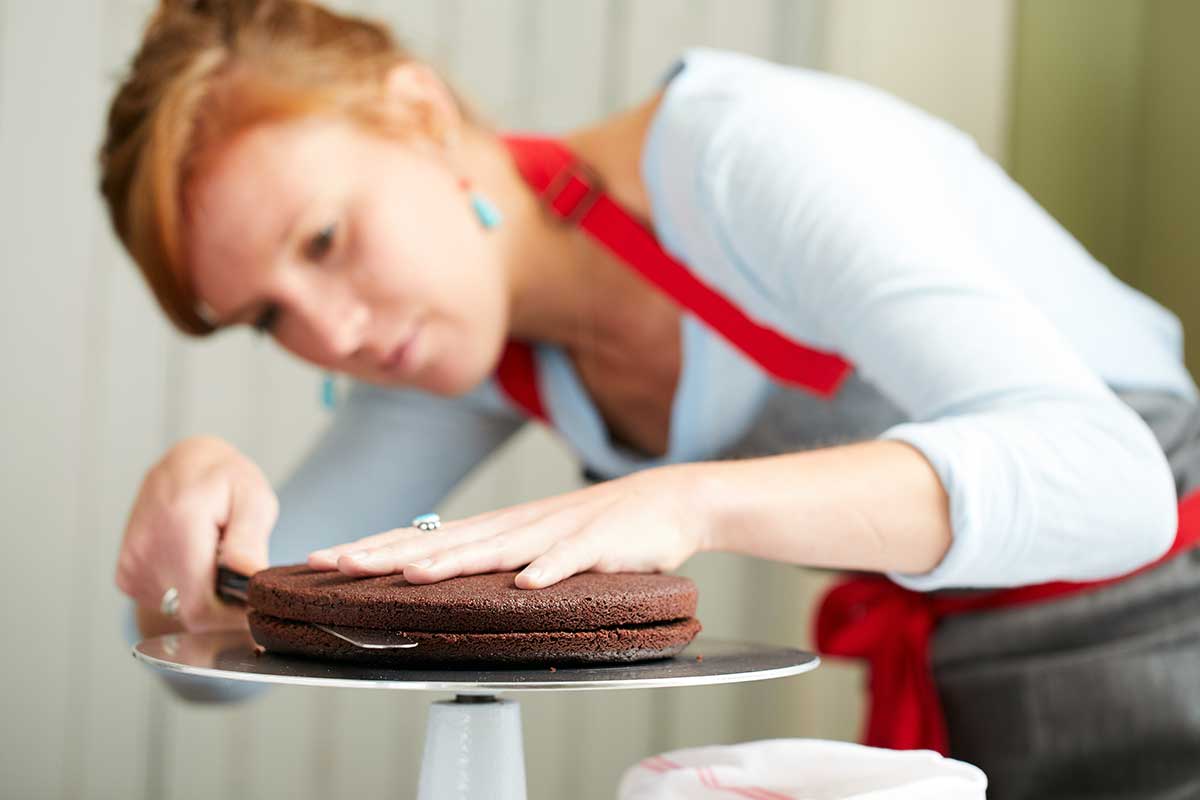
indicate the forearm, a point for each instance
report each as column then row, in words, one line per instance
column 875, row 506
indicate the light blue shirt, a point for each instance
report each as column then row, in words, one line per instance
column 981, row 332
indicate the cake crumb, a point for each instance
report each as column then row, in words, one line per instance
column 699, row 658
column 554, row 669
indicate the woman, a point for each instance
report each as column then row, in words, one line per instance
column 755, row 259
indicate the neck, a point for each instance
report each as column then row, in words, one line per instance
column 562, row 286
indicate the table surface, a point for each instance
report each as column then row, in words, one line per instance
column 230, row 655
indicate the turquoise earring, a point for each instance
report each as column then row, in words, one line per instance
column 489, row 216
column 329, row 392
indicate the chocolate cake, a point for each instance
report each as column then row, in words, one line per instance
column 476, row 620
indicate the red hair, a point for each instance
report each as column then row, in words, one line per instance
column 208, row 70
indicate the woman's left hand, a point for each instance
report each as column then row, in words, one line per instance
column 650, row 521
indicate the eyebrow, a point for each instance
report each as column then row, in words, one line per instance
column 242, row 313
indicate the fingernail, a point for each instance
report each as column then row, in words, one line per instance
column 321, row 555
column 533, row 573
column 361, row 556
column 424, row 562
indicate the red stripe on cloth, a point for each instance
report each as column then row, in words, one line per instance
column 871, row 618
column 574, row 194
column 517, row 376
column 709, row 779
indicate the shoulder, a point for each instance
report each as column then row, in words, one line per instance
column 772, row 181
column 733, row 129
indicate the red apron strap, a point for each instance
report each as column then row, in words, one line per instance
column 573, row 192
column 871, row 618
column 517, row 375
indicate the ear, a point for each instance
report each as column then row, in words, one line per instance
column 418, row 86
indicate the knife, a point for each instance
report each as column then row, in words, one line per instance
column 233, row 587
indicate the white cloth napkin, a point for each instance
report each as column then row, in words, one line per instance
column 801, row 769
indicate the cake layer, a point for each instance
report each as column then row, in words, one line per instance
column 473, row 603
column 542, row 648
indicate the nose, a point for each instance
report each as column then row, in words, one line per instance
column 338, row 322
column 347, row 330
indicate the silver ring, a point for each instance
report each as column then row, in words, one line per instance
column 170, row 602
column 426, row 522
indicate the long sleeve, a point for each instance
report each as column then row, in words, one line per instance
column 388, row 456
column 841, row 218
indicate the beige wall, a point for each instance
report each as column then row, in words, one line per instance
column 950, row 57
column 1169, row 218
column 1077, row 117
column 1106, row 120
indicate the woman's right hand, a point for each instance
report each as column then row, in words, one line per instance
column 204, row 502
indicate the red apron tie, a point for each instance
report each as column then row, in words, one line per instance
column 517, row 376
column 872, row 618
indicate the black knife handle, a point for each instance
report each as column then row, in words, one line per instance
column 232, row 586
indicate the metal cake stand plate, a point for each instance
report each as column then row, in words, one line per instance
column 472, row 743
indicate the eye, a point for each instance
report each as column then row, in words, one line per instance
column 320, row 244
column 267, row 319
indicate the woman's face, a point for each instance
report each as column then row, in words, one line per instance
column 357, row 253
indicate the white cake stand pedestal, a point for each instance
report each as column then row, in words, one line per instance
column 473, row 745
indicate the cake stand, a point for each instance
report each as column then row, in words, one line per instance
column 473, row 744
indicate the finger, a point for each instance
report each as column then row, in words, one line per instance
column 173, row 544
column 388, row 553
column 253, row 511
column 196, row 580
column 193, row 572
column 566, row 558
column 129, row 574
column 499, row 553
column 392, row 557
column 163, row 548
column 135, row 570
column 144, row 591
column 554, row 532
column 327, row 558
column 193, row 576
column 579, row 553
column 355, row 558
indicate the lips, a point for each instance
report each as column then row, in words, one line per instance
column 398, row 359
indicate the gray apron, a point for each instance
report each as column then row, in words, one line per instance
column 1091, row 696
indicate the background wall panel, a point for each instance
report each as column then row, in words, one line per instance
column 1105, row 123
column 1169, row 219
column 1077, row 119
column 48, row 268
column 950, row 58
